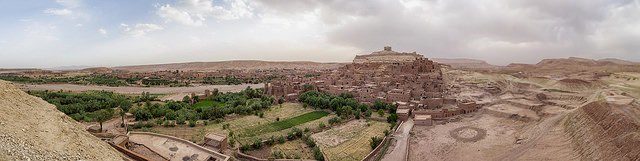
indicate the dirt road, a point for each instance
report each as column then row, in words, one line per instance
column 399, row 151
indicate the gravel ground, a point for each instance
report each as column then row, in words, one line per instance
column 32, row 129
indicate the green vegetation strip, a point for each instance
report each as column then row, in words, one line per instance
column 284, row 124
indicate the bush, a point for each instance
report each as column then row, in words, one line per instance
column 181, row 120
column 278, row 155
column 334, row 120
column 297, row 132
column 232, row 142
column 168, row 123
column 270, row 141
column 386, row 133
column 257, row 144
column 321, row 125
column 281, row 139
column 225, row 126
column 306, row 130
column 375, row 141
column 317, row 154
column 192, row 123
column 392, row 118
column 381, row 112
column 244, row 148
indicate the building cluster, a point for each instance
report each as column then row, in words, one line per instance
column 411, row 81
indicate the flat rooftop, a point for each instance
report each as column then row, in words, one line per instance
column 422, row 117
column 403, row 110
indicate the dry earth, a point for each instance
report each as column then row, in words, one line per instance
column 32, row 129
column 537, row 119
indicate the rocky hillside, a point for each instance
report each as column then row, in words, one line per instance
column 602, row 131
column 32, row 129
column 573, row 66
column 465, row 63
column 237, row 64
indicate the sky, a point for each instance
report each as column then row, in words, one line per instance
column 43, row 34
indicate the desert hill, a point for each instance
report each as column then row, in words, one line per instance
column 465, row 63
column 32, row 129
column 574, row 66
column 235, row 64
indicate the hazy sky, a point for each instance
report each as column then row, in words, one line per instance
column 38, row 33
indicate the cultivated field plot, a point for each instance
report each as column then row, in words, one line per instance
column 249, row 128
column 351, row 140
column 294, row 149
column 244, row 127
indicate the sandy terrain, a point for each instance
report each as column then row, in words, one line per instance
column 138, row 90
column 32, row 129
column 436, row 142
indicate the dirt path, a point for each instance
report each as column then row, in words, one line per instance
column 136, row 90
column 399, row 151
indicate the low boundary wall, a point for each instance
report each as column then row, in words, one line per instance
column 218, row 155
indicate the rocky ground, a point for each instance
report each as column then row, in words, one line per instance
column 32, row 129
column 537, row 119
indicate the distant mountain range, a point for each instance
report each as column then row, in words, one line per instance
column 235, row 64
column 464, row 63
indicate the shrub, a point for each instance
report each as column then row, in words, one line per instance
column 386, row 133
column 168, row 123
column 278, row 155
column 297, row 132
column 381, row 112
column 317, row 154
column 321, row 125
column 291, row 136
column 180, row 120
column 192, row 123
column 232, row 142
column 244, row 148
column 257, row 144
column 375, row 141
column 334, row 120
column 270, row 141
column 281, row 139
column 306, row 130
column 392, row 118
column 225, row 126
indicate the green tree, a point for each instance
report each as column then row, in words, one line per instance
column 103, row 115
column 124, row 105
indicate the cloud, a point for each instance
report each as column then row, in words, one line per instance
column 500, row 31
column 102, row 32
column 196, row 12
column 139, row 30
column 58, row 12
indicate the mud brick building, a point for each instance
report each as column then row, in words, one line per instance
column 407, row 79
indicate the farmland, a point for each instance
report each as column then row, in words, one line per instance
column 284, row 124
column 243, row 127
column 351, row 140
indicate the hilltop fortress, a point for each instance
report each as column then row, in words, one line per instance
column 411, row 81
column 387, row 56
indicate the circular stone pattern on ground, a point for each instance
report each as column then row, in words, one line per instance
column 468, row 134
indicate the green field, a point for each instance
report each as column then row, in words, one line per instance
column 283, row 124
column 207, row 103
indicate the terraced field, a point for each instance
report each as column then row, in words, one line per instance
column 350, row 142
column 283, row 124
column 249, row 128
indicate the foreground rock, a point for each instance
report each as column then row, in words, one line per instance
column 32, row 129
